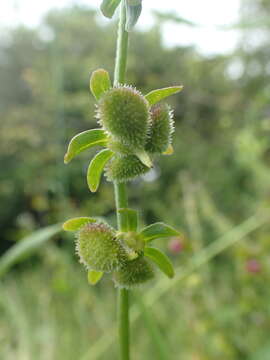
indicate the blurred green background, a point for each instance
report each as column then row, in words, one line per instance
column 217, row 178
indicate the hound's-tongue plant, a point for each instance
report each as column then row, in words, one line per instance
column 134, row 128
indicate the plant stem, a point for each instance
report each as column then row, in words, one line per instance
column 123, row 323
column 121, row 200
column 122, row 48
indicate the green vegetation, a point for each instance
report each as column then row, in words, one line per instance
column 217, row 180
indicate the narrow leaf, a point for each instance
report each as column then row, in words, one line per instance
column 94, row 276
column 158, row 230
column 75, row 223
column 145, row 158
column 156, row 95
column 83, row 141
column 133, row 11
column 96, row 167
column 108, row 7
column 99, row 82
column 161, row 260
column 130, row 219
column 26, row 247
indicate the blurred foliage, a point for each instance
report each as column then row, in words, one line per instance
column 218, row 176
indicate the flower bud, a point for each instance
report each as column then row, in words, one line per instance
column 135, row 272
column 161, row 129
column 99, row 249
column 124, row 168
column 124, row 114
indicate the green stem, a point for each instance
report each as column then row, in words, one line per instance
column 121, row 200
column 122, row 48
column 123, row 323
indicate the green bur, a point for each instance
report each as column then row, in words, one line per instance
column 99, row 249
column 161, row 130
column 135, row 272
column 124, row 168
column 118, row 147
column 124, row 114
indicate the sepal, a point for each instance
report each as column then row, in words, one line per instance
column 161, row 260
column 158, row 230
column 76, row 223
column 96, row 167
column 94, row 276
column 159, row 94
column 99, row 83
column 83, row 141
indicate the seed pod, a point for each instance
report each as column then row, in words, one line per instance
column 135, row 272
column 99, row 249
column 124, row 113
column 124, row 168
column 161, row 130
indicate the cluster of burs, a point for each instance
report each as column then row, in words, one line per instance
column 134, row 128
column 136, row 131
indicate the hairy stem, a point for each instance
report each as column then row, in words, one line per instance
column 121, row 200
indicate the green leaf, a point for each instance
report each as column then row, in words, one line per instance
column 161, row 260
column 94, row 276
column 130, row 219
column 156, row 95
column 83, row 141
column 158, row 230
column 96, row 167
column 108, row 7
column 75, row 223
column 133, row 11
column 145, row 158
column 99, row 82
column 26, row 247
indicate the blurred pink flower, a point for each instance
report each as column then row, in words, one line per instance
column 176, row 245
column 253, row 266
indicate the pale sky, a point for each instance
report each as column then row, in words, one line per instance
column 210, row 14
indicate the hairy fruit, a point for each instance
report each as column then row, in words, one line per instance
column 124, row 114
column 135, row 272
column 162, row 127
column 125, row 168
column 99, row 249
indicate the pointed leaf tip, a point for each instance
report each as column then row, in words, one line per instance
column 161, row 260
column 157, row 95
column 83, row 141
column 158, row 230
column 145, row 158
column 100, row 82
column 96, row 167
column 94, row 276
